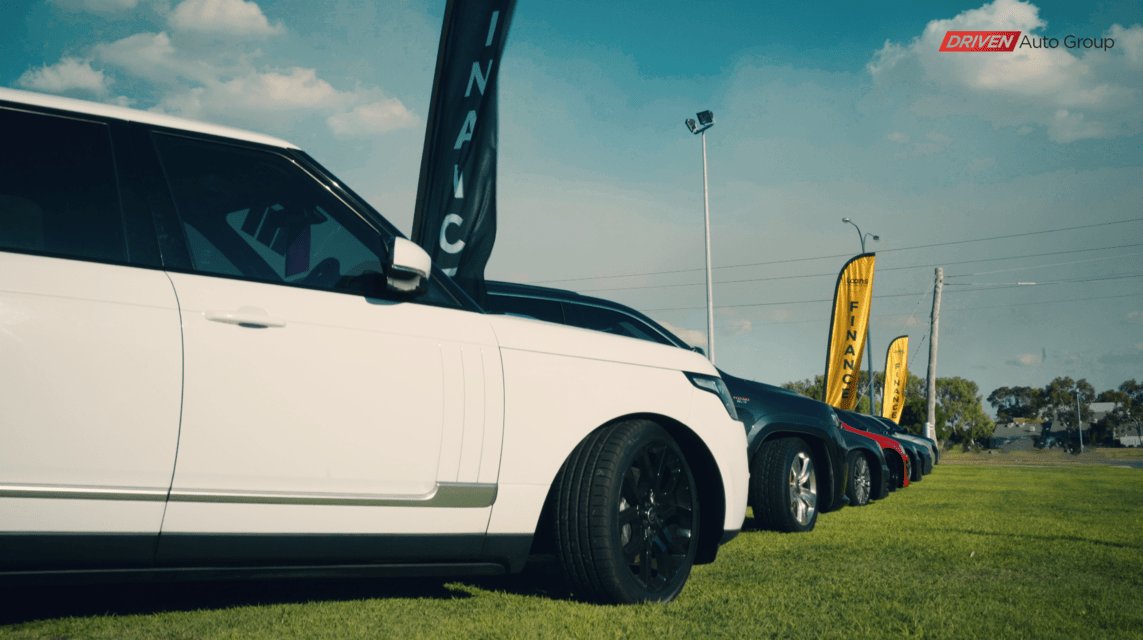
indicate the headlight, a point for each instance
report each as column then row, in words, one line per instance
column 715, row 385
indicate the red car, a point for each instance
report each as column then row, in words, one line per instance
column 894, row 457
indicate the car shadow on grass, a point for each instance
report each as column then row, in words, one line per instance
column 542, row 577
column 26, row 604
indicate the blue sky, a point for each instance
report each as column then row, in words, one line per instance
column 823, row 111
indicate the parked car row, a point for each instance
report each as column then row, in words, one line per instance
column 805, row 457
column 218, row 361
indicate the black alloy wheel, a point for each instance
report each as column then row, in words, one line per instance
column 860, row 484
column 627, row 515
column 784, row 487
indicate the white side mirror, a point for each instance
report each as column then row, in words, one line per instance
column 409, row 268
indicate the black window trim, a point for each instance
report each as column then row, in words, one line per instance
column 161, row 192
column 134, row 252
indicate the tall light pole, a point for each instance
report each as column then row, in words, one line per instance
column 1079, row 419
column 706, row 121
column 868, row 344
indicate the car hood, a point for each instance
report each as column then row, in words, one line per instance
column 767, row 403
column 527, row 334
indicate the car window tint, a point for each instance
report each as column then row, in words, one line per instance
column 608, row 321
column 548, row 310
column 255, row 214
column 58, row 190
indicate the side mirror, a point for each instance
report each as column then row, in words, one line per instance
column 409, row 268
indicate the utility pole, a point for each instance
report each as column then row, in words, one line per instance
column 1079, row 420
column 935, row 320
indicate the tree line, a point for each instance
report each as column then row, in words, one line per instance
column 960, row 415
column 1060, row 399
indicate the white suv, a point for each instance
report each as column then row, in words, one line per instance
column 217, row 360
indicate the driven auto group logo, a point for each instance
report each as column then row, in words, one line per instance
column 1008, row 41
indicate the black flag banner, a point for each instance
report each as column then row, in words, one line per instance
column 455, row 215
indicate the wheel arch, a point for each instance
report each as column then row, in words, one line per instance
column 821, row 458
column 704, row 468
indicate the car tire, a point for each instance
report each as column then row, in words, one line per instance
column 783, row 486
column 896, row 471
column 916, row 473
column 859, row 487
column 627, row 516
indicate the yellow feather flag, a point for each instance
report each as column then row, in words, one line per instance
column 851, row 299
column 896, row 376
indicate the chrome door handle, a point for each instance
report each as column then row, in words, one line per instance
column 246, row 317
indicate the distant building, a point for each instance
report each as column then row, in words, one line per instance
column 1015, row 436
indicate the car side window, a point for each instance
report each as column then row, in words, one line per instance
column 257, row 215
column 58, row 189
column 537, row 308
column 609, row 321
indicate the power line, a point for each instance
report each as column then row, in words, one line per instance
column 1041, row 266
column 950, row 309
column 843, row 255
column 916, row 266
column 898, row 295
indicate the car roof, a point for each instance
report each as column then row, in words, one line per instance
column 534, row 291
column 134, row 115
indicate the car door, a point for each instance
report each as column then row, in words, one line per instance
column 322, row 421
column 90, row 352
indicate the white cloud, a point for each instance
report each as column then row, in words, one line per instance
column 1130, row 42
column 1135, row 317
column 738, row 326
column 69, row 74
column 226, row 87
column 980, row 164
column 693, row 337
column 898, row 137
column 223, row 17
column 376, row 117
column 97, row 6
column 153, row 57
column 1132, row 355
column 1026, row 360
column 1093, row 95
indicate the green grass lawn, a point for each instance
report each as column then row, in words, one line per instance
column 970, row 552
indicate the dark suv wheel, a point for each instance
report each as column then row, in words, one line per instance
column 784, row 486
column 627, row 515
column 860, row 485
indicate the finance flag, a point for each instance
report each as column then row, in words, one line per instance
column 455, row 215
column 896, row 376
column 847, row 327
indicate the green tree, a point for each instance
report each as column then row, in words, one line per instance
column 965, row 420
column 1058, row 401
column 1127, row 417
column 811, row 388
column 1015, row 402
column 916, row 414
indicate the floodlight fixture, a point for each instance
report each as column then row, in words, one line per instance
column 705, row 121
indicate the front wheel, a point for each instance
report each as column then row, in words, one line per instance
column 860, row 483
column 627, row 515
column 784, row 486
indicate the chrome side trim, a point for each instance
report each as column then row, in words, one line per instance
column 64, row 492
column 454, row 495
column 446, row 495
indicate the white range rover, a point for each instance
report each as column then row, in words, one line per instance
column 217, row 361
